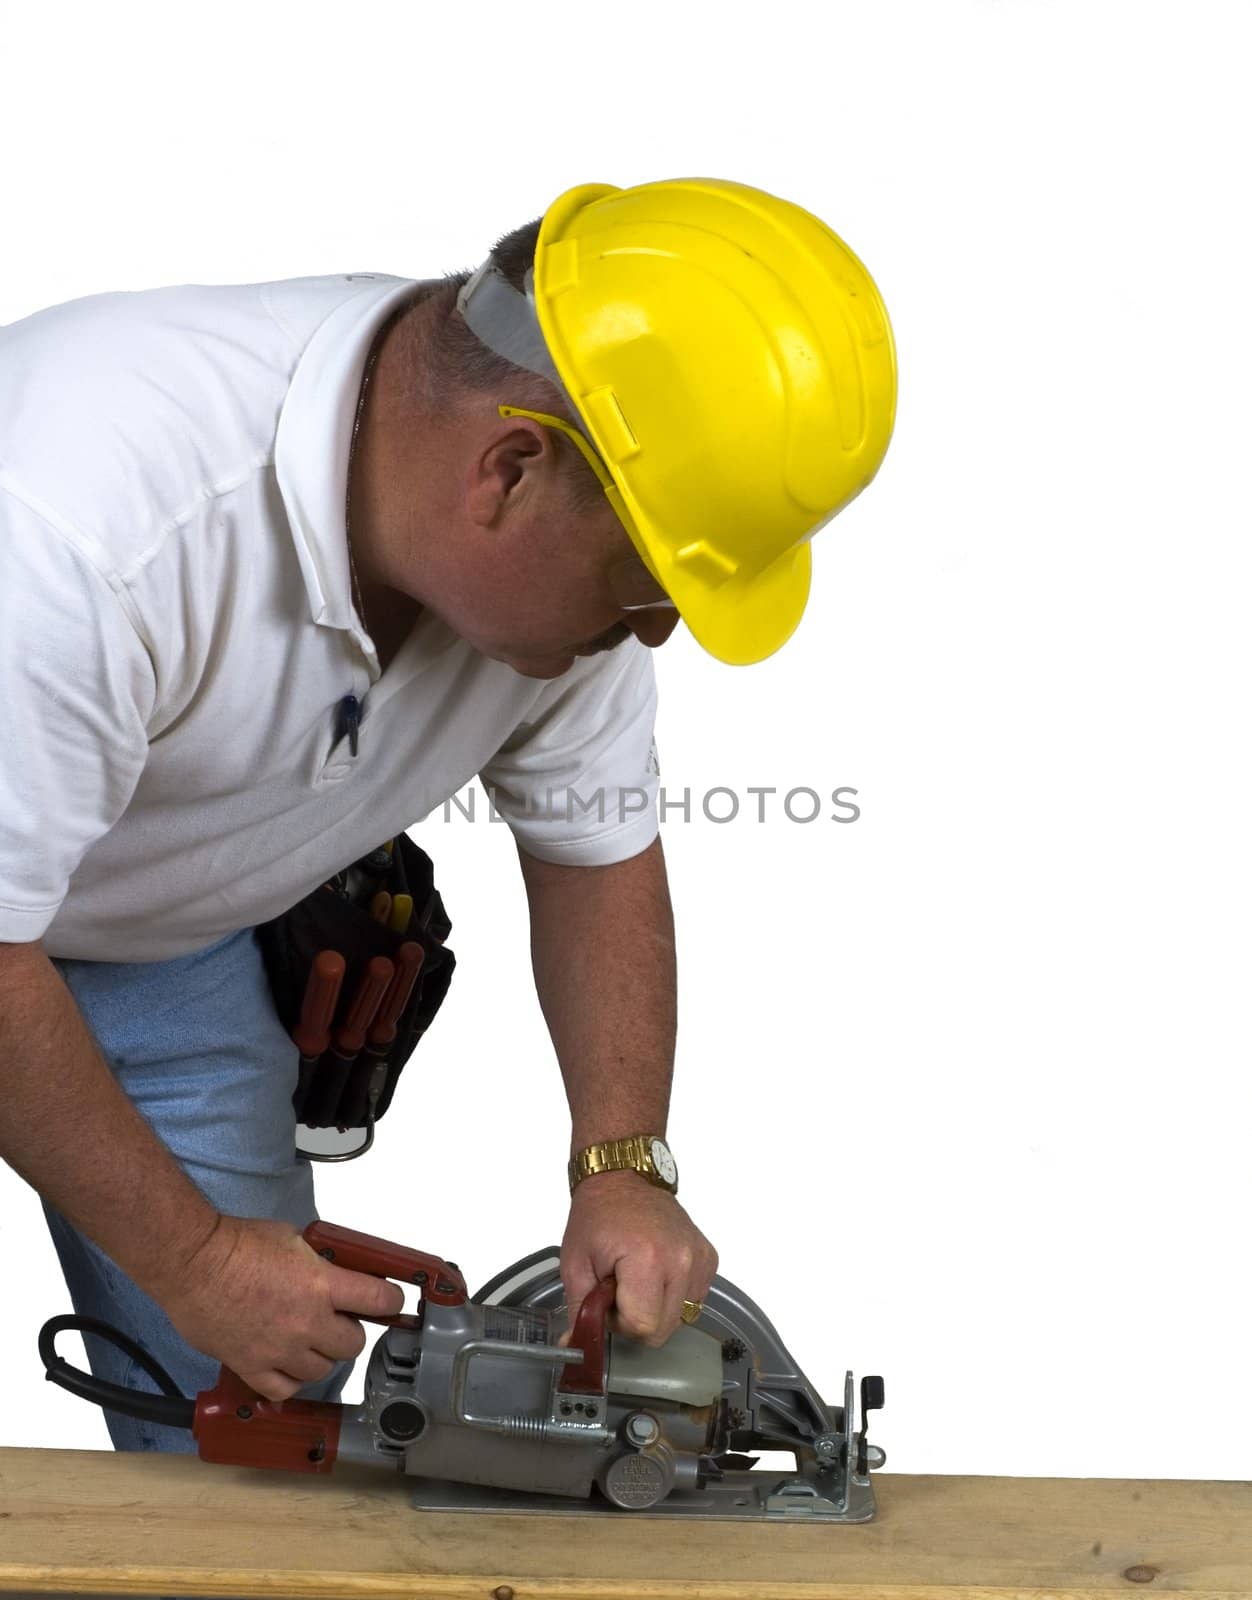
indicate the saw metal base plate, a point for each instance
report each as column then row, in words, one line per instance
column 750, row 1495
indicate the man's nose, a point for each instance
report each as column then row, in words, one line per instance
column 652, row 625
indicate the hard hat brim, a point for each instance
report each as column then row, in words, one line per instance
column 741, row 620
column 745, row 620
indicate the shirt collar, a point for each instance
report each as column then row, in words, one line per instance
column 313, row 441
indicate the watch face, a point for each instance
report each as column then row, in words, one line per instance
column 663, row 1161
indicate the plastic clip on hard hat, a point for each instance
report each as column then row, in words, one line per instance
column 733, row 365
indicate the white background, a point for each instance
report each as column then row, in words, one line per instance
column 961, row 1092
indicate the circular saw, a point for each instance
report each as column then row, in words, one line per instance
column 474, row 1397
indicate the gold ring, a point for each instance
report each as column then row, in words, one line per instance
column 692, row 1309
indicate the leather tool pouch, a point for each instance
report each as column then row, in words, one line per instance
column 336, row 916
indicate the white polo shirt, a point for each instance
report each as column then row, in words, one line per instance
column 177, row 632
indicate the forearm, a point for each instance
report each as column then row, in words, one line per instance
column 72, row 1134
column 602, row 948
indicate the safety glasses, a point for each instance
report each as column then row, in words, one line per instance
column 631, row 584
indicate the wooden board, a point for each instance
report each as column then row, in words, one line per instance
column 92, row 1521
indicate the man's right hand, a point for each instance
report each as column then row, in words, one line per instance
column 262, row 1302
column 250, row 1293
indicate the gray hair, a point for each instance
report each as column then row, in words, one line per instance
column 456, row 366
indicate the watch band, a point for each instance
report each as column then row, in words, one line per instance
column 618, row 1155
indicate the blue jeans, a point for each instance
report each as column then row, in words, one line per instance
column 197, row 1046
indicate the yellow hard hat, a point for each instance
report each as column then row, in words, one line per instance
column 733, row 364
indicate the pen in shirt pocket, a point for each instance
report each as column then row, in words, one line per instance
column 348, row 721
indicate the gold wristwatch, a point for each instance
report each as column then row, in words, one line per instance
column 647, row 1153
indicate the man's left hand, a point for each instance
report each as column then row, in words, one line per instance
column 620, row 1223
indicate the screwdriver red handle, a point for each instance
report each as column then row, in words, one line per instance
column 408, row 964
column 365, row 1002
column 321, row 995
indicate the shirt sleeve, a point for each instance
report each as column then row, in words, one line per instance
column 77, row 688
column 577, row 780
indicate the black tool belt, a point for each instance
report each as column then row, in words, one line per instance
column 340, row 1087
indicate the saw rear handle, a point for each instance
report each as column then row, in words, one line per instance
column 438, row 1280
column 235, row 1426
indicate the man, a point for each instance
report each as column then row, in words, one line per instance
column 472, row 504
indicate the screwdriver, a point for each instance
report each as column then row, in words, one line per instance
column 312, row 1033
column 370, row 1072
column 348, row 1040
column 401, row 911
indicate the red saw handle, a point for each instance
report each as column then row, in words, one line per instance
column 237, row 1427
column 439, row 1280
column 588, row 1376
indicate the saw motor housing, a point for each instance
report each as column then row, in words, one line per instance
column 477, row 1394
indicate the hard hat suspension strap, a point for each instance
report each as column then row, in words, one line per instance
column 506, row 321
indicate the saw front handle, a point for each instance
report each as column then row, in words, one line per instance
column 236, row 1426
column 587, row 1376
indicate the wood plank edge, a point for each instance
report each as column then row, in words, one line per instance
column 249, row 1584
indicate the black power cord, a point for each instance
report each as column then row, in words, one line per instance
column 171, row 1407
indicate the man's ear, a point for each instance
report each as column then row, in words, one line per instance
column 504, row 470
